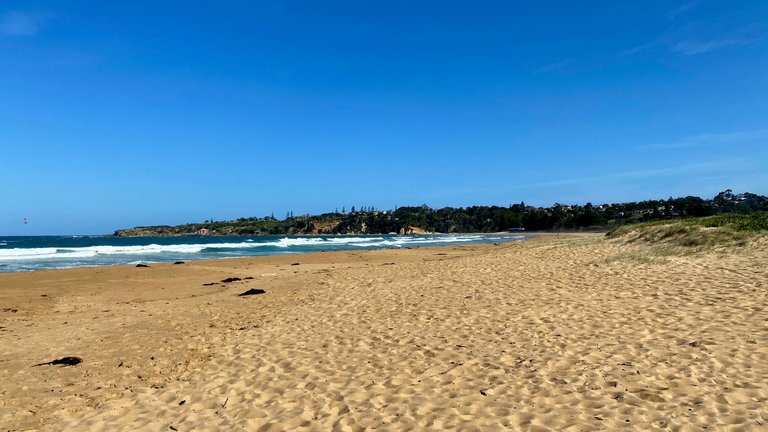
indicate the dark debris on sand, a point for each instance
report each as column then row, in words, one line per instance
column 64, row 361
column 142, row 265
column 231, row 279
column 252, row 291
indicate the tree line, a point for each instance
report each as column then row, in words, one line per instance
column 515, row 217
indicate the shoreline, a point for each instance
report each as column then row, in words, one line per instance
column 136, row 257
column 556, row 332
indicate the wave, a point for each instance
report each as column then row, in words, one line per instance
column 92, row 251
column 285, row 245
column 321, row 241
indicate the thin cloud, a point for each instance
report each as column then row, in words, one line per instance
column 699, row 45
column 717, row 139
column 639, row 48
column 552, row 67
column 743, row 36
column 694, row 46
column 674, row 13
column 697, row 38
column 724, row 167
column 18, row 24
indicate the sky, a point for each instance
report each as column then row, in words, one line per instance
column 117, row 114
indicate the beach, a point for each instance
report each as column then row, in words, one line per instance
column 562, row 332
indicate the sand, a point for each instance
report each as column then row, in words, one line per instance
column 560, row 333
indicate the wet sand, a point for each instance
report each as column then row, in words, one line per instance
column 555, row 333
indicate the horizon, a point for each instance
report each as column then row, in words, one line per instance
column 159, row 114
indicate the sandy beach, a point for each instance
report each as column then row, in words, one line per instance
column 555, row 333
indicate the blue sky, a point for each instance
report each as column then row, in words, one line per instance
column 115, row 114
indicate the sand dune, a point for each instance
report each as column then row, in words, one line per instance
column 560, row 333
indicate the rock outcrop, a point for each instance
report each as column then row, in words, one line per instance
column 412, row 230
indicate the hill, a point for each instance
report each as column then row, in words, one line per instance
column 516, row 217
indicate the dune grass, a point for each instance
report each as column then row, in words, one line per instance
column 719, row 230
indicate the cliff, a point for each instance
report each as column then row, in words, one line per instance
column 268, row 226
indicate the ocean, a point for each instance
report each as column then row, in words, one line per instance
column 56, row 252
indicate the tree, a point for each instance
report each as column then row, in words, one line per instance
column 557, row 219
column 724, row 201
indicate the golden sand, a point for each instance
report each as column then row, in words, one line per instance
column 560, row 333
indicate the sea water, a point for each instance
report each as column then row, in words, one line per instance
column 55, row 252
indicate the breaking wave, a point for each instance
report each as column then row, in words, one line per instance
column 69, row 255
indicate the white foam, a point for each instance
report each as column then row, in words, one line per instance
column 292, row 243
column 16, row 254
column 321, row 241
column 21, row 254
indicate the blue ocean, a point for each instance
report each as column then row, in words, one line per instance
column 56, row 252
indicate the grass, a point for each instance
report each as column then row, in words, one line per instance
column 719, row 230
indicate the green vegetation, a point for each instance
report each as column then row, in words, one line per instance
column 757, row 221
column 724, row 229
column 724, row 210
column 738, row 222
